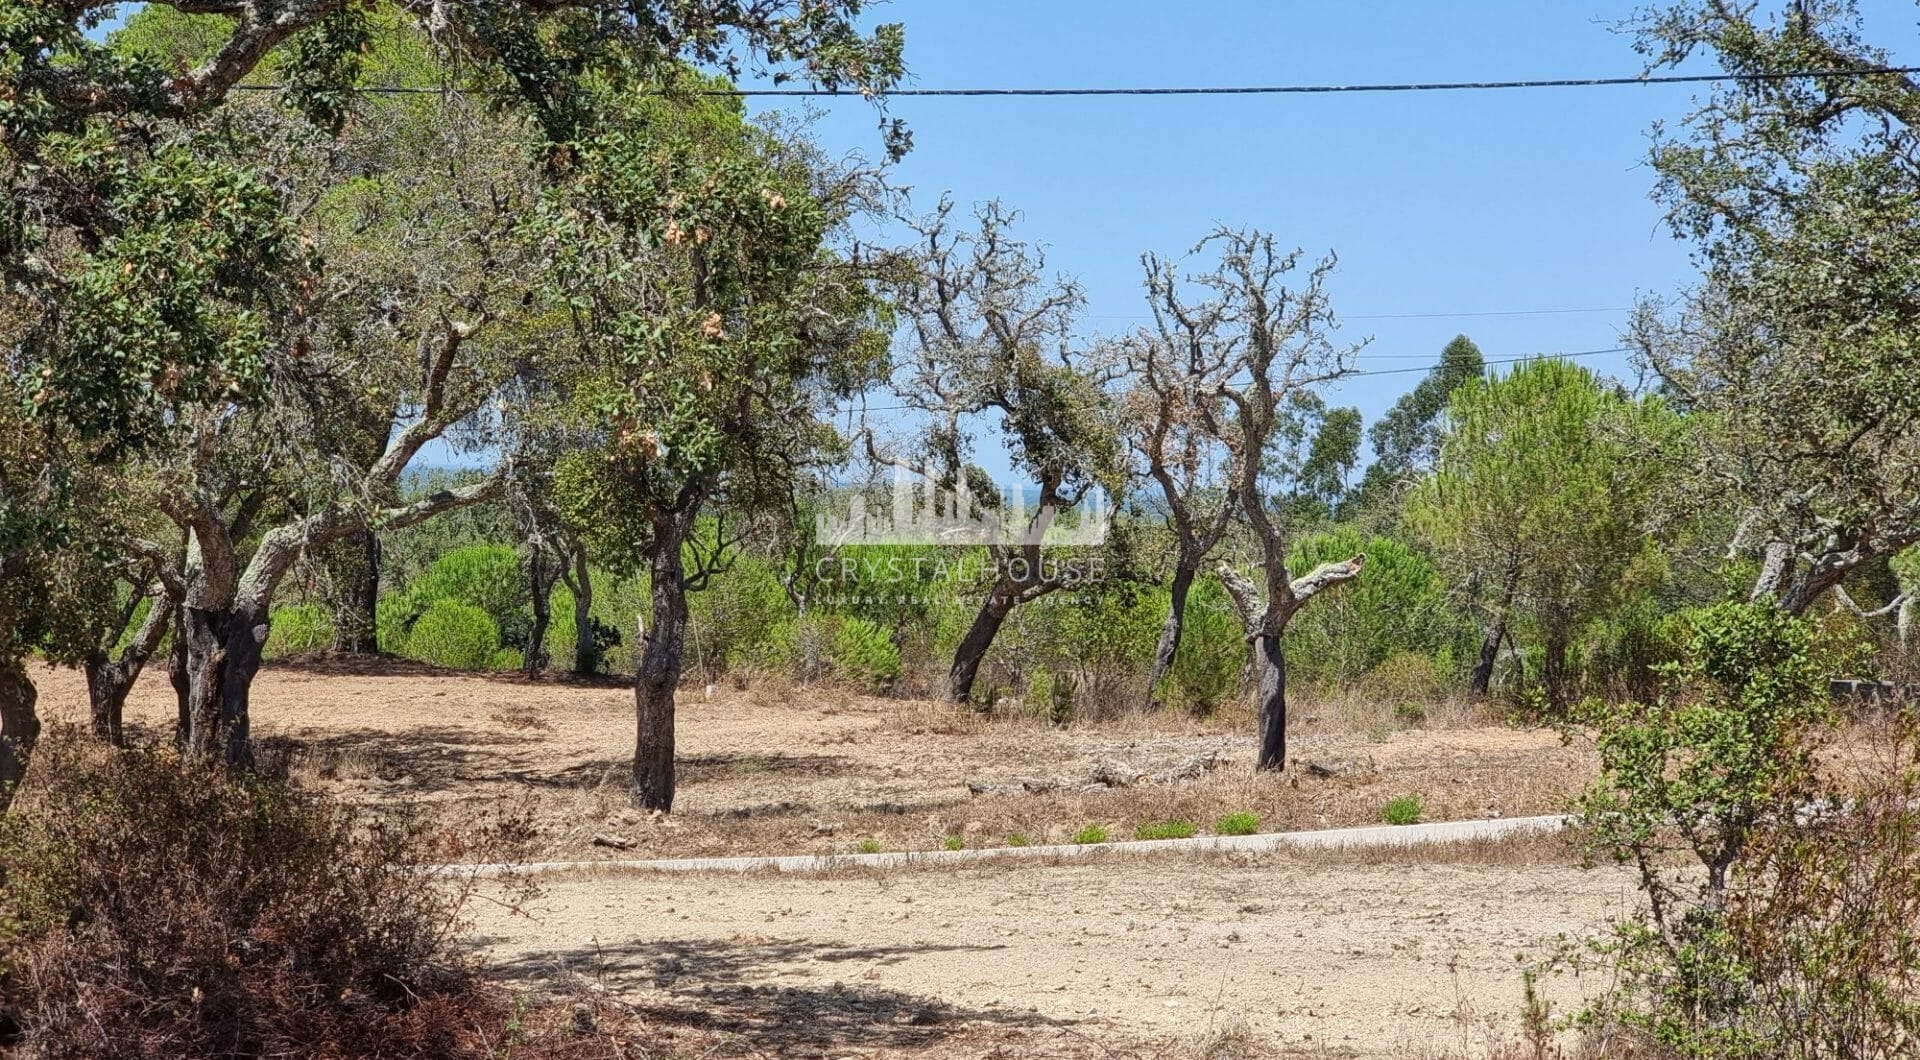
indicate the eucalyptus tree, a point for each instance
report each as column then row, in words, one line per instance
column 990, row 335
column 1800, row 186
column 718, row 326
column 1540, row 499
column 1406, row 439
column 1276, row 348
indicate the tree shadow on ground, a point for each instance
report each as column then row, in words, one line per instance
column 328, row 664
column 717, row 986
column 418, row 761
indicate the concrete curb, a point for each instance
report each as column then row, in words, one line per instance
column 1378, row 836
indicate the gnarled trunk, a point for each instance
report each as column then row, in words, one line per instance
column 973, row 647
column 1170, row 633
column 1270, row 669
column 223, row 657
column 542, row 578
column 109, row 679
column 657, row 676
column 19, row 727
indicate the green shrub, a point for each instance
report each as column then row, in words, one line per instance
column 953, row 842
column 1090, row 835
column 1404, row 810
column 864, row 655
column 1793, row 929
column 867, row 846
column 1398, row 606
column 1166, row 830
column 821, row 646
column 1050, row 696
column 454, row 635
column 1018, row 839
column 1213, row 651
column 1241, row 823
column 1404, row 677
column 734, row 616
column 298, row 630
column 484, row 577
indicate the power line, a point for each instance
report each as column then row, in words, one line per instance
column 1217, row 90
column 1487, row 313
column 1416, row 316
column 1384, row 371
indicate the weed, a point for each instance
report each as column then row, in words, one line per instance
column 1089, row 835
column 1404, row 810
column 953, row 842
column 1237, row 824
column 1019, row 839
column 867, row 846
column 1166, row 830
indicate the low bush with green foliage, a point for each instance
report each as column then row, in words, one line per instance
column 843, row 648
column 1090, row 835
column 1240, row 823
column 1166, row 830
column 455, row 635
column 298, row 630
column 1782, row 883
column 1407, row 809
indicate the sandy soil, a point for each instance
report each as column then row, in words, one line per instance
column 1328, row 954
column 1255, row 957
column 774, row 771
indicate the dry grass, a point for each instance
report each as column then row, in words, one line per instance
column 799, row 799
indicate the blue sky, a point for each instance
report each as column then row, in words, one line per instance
column 1437, row 203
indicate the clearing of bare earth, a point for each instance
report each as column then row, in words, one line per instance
column 1390, row 952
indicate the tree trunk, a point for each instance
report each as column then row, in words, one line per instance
column 108, row 683
column 109, row 680
column 657, row 676
column 1270, row 665
column 19, row 727
column 586, row 656
column 177, row 676
column 1489, row 654
column 1170, row 633
column 1553, row 673
column 542, row 584
column 973, row 647
column 1482, row 682
column 223, row 657
column 357, row 565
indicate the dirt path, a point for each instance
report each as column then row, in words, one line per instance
column 1339, row 958
column 816, row 771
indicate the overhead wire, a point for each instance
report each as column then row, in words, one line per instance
column 1217, row 90
column 1375, row 371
